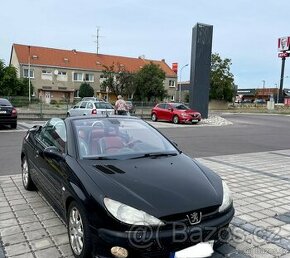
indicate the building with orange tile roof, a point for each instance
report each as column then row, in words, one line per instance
column 57, row 74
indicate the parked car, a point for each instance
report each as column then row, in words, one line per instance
column 123, row 188
column 8, row 113
column 85, row 108
column 260, row 101
column 175, row 112
column 131, row 107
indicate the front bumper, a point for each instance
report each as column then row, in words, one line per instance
column 157, row 242
column 189, row 119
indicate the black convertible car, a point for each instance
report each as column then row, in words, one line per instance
column 123, row 188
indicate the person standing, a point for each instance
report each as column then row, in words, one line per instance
column 121, row 106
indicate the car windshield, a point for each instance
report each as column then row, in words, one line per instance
column 4, row 102
column 103, row 105
column 180, row 106
column 119, row 138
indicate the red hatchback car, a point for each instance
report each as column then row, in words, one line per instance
column 175, row 112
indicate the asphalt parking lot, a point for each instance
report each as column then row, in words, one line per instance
column 261, row 227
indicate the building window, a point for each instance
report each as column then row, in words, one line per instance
column 89, row 77
column 78, row 77
column 45, row 72
column 62, row 73
column 171, row 83
column 25, row 73
column 172, row 98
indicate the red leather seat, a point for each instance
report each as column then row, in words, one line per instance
column 95, row 137
column 111, row 144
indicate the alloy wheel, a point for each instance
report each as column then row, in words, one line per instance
column 25, row 173
column 76, row 231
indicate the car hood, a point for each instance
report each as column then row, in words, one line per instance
column 159, row 186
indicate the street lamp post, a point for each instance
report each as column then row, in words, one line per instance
column 179, row 98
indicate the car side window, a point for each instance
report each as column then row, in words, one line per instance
column 77, row 105
column 53, row 134
column 83, row 104
column 161, row 106
column 90, row 105
column 166, row 106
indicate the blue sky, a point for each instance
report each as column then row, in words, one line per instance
column 245, row 31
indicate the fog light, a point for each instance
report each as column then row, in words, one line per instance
column 119, row 252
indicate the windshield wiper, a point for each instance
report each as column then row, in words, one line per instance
column 155, row 155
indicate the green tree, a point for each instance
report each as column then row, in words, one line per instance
column 86, row 90
column 22, row 89
column 9, row 81
column 10, row 85
column 118, row 80
column 149, row 83
column 222, row 80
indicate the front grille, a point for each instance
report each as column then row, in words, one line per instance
column 207, row 213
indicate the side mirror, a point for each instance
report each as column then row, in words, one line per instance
column 74, row 107
column 35, row 128
column 53, row 153
column 170, row 109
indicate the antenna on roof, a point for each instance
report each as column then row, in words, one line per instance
column 97, row 39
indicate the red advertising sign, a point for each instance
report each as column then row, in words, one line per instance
column 284, row 54
column 175, row 67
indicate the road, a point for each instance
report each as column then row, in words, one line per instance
column 249, row 133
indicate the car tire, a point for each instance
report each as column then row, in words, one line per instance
column 14, row 125
column 26, row 176
column 175, row 119
column 79, row 231
column 154, row 117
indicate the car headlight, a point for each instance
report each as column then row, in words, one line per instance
column 130, row 215
column 183, row 114
column 227, row 198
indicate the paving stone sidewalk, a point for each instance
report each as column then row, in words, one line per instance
column 260, row 182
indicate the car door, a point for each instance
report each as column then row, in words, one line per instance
column 52, row 172
column 75, row 110
column 82, row 109
column 168, row 113
column 160, row 111
column 89, row 108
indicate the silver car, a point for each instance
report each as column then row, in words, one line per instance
column 86, row 108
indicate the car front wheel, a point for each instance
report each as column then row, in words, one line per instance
column 154, row 117
column 26, row 177
column 79, row 231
